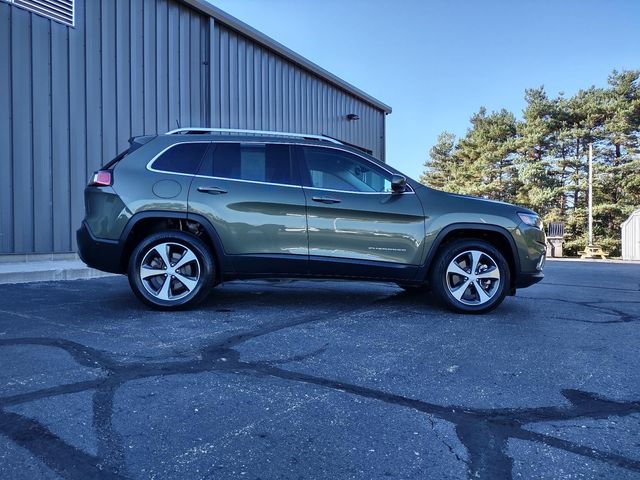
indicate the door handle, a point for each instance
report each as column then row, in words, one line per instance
column 212, row 190
column 325, row 199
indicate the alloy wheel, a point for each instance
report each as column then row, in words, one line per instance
column 473, row 277
column 169, row 271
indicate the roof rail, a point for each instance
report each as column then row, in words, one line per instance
column 186, row 131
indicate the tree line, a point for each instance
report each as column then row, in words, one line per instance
column 540, row 161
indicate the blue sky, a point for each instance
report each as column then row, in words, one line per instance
column 437, row 62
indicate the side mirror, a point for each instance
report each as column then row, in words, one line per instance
column 398, row 184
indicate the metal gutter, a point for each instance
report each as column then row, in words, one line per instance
column 268, row 42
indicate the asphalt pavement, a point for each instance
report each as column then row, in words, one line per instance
column 323, row 380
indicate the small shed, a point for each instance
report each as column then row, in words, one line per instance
column 631, row 237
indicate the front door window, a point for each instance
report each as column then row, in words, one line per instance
column 338, row 170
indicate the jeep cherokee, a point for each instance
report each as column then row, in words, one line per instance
column 184, row 211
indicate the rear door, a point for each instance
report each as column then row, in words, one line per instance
column 357, row 225
column 251, row 194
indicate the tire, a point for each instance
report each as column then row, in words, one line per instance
column 181, row 288
column 470, row 276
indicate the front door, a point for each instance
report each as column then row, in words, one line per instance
column 251, row 194
column 356, row 223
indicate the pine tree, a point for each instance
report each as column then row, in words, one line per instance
column 541, row 161
column 540, row 182
column 441, row 167
column 481, row 163
column 486, row 154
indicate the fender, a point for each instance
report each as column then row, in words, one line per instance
column 479, row 227
column 220, row 255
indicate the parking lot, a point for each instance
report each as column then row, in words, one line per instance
column 307, row 379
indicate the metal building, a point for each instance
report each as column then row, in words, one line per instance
column 78, row 78
column 631, row 237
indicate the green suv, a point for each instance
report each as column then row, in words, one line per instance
column 182, row 212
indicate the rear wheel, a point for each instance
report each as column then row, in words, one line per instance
column 171, row 270
column 470, row 276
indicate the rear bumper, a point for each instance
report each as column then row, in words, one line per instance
column 527, row 279
column 99, row 253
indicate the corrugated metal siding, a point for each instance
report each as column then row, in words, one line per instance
column 256, row 88
column 70, row 98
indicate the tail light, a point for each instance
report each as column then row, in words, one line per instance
column 101, row 178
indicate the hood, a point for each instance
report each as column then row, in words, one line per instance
column 488, row 200
column 453, row 202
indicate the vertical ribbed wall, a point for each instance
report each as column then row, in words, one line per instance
column 71, row 97
column 256, row 88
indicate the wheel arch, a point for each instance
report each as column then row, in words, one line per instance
column 145, row 223
column 496, row 235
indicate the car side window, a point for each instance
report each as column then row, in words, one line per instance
column 338, row 170
column 181, row 158
column 259, row 162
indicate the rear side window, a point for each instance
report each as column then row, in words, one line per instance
column 271, row 163
column 181, row 158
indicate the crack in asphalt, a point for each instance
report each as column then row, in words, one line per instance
column 484, row 432
column 599, row 287
column 623, row 317
column 444, row 441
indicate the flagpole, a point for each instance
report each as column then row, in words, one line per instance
column 590, row 194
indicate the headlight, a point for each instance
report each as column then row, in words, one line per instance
column 531, row 219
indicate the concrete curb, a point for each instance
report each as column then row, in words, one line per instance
column 592, row 260
column 47, row 271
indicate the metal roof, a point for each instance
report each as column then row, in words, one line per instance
column 634, row 214
column 259, row 37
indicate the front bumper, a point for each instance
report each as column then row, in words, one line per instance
column 101, row 254
column 527, row 279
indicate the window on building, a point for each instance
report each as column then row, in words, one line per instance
column 270, row 163
column 338, row 170
column 181, row 158
column 59, row 10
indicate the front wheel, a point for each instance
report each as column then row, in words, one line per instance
column 470, row 276
column 171, row 270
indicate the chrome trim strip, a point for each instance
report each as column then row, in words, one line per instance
column 151, row 169
column 359, row 193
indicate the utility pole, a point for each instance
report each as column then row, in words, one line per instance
column 590, row 194
column 591, row 251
